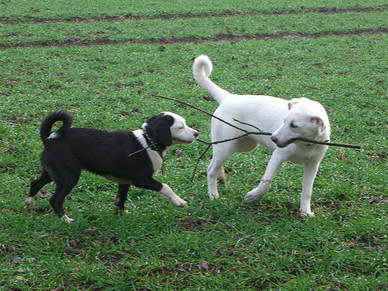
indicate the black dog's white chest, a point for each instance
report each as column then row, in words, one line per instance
column 154, row 156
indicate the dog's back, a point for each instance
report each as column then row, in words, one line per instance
column 107, row 152
column 99, row 151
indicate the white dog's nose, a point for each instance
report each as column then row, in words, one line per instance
column 274, row 138
column 196, row 133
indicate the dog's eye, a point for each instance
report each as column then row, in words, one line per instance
column 182, row 127
column 293, row 125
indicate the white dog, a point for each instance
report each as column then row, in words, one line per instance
column 286, row 120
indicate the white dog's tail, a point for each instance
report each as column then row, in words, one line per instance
column 202, row 68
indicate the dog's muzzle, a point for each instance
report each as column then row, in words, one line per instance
column 281, row 145
column 195, row 135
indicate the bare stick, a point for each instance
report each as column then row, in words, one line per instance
column 255, row 127
column 199, row 109
column 344, row 145
column 246, row 133
column 138, row 151
column 304, row 139
column 199, row 158
column 260, row 132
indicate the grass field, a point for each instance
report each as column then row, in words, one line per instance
column 95, row 61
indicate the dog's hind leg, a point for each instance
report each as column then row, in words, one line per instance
column 265, row 183
column 221, row 174
column 220, row 155
column 151, row 184
column 35, row 186
column 65, row 183
column 310, row 171
column 121, row 197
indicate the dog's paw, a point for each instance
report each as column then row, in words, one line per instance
column 120, row 211
column 213, row 196
column 251, row 196
column 30, row 203
column 303, row 213
column 179, row 202
column 67, row 219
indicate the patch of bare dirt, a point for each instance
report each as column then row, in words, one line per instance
column 116, row 18
column 195, row 40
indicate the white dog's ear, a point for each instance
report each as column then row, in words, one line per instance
column 317, row 120
column 292, row 102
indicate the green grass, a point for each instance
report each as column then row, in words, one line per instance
column 192, row 27
column 209, row 245
column 71, row 8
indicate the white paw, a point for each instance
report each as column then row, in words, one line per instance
column 179, row 202
column 30, row 202
column 67, row 219
column 306, row 213
column 252, row 196
column 213, row 196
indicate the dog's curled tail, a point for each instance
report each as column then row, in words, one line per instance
column 202, row 68
column 45, row 128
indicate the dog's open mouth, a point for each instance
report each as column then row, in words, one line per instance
column 284, row 144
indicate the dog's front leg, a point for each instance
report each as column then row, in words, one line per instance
column 310, row 171
column 175, row 199
column 152, row 184
column 265, row 183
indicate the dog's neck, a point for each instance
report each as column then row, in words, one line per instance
column 153, row 143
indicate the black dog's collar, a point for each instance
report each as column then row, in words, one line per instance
column 152, row 144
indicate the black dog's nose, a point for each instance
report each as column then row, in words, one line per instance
column 274, row 139
column 196, row 133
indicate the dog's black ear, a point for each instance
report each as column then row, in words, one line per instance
column 163, row 129
column 160, row 125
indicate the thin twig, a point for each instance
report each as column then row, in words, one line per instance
column 199, row 158
column 304, row 139
column 255, row 127
column 246, row 133
column 259, row 130
column 138, row 151
column 199, row 109
column 344, row 145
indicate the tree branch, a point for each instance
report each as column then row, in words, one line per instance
column 246, row 133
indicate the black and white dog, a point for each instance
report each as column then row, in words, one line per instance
column 107, row 153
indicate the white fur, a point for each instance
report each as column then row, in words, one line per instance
column 53, row 135
column 153, row 155
column 30, row 202
column 270, row 114
column 175, row 199
column 67, row 219
column 180, row 132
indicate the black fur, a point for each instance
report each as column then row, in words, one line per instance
column 158, row 129
column 102, row 152
column 45, row 128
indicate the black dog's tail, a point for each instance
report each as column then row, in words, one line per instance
column 45, row 128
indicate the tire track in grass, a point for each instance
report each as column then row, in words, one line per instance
column 194, row 40
column 323, row 10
